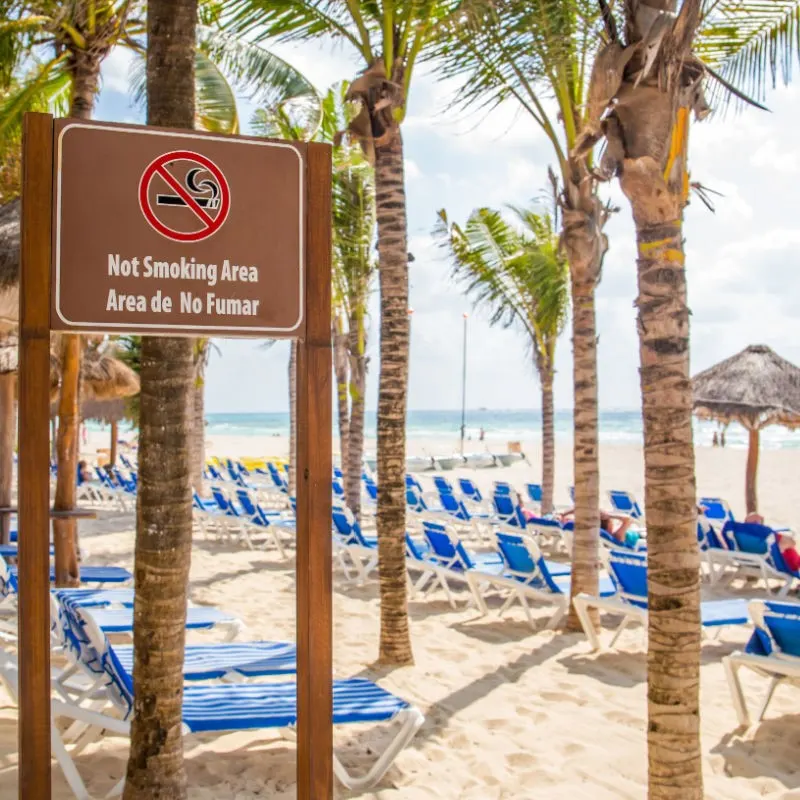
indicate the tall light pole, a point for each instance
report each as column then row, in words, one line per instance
column 464, row 386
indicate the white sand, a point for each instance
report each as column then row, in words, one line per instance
column 511, row 713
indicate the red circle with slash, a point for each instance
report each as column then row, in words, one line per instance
column 210, row 224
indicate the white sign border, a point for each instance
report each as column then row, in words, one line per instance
column 189, row 330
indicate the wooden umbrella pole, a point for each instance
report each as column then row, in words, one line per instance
column 750, row 491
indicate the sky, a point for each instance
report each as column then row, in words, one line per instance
column 742, row 261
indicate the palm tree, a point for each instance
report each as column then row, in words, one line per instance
column 538, row 53
column 164, row 509
column 388, row 38
column 520, row 274
column 643, row 115
column 354, row 270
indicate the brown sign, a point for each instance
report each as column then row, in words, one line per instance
column 156, row 231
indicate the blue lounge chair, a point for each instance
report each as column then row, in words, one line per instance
column 773, row 652
column 747, row 548
column 534, row 491
column 443, row 485
column 628, row 571
column 625, row 503
column 362, row 550
column 271, row 524
column 470, row 490
column 218, row 708
column 507, row 511
column 202, row 662
column 716, row 510
column 452, row 561
column 529, row 576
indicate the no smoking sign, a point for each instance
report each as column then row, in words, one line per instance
column 179, row 232
column 184, row 196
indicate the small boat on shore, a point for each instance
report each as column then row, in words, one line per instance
column 449, row 462
column 480, row 460
column 507, row 459
column 419, row 463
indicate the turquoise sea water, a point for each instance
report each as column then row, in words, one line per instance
column 615, row 426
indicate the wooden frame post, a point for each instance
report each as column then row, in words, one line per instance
column 314, row 469
column 34, row 457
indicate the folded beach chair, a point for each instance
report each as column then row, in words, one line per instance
column 528, row 576
column 772, row 652
column 218, row 708
column 628, row 571
column 625, row 503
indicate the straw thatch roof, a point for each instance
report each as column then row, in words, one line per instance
column 9, row 264
column 755, row 388
column 107, row 378
column 105, row 411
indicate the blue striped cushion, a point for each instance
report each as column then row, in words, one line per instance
column 121, row 620
column 212, row 661
column 228, row 707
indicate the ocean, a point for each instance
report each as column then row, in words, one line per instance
column 615, row 426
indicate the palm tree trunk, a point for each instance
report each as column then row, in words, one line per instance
column 585, row 246
column 7, row 438
column 395, row 640
column 85, row 73
column 751, row 481
column 673, row 653
column 197, row 414
column 65, row 531
column 164, row 509
column 340, row 365
column 114, row 444
column 358, row 389
column 548, row 440
column 292, row 417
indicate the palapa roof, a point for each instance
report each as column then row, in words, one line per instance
column 105, row 411
column 107, row 378
column 755, row 388
column 9, row 264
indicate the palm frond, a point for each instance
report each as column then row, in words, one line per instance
column 45, row 89
column 750, row 43
column 295, row 20
column 265, row 78
column 215, row 101
column 517, row 273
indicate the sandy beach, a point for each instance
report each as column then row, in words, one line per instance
column 510, row 712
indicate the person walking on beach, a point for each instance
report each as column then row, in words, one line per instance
column 482, row 435
column 722, row 439
column 715, row 440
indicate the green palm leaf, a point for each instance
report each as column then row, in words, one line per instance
column 750, row 42
column 517, row 272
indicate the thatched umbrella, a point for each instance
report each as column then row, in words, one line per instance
column 755, row 388
column 109, row 412
column 9, row 264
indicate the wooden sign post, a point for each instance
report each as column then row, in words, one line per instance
column 131, row 229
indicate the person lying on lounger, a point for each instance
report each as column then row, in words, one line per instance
column 617, row 525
